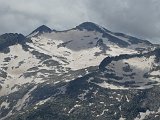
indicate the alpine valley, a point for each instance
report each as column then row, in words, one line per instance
column 84, row 73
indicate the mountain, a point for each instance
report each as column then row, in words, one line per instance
column 89, row 26
column 40, row 30
column 102, row 94
column 87, row 71
column 10, row 39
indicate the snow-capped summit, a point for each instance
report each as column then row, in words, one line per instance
column 73, row 45
column 40, row 30
column 90, row 26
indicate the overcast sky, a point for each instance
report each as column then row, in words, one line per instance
column 140, row 18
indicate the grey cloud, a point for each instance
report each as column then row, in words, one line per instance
column 140, row 18
column 136, row 17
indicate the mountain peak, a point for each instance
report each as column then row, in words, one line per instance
column 90, row 26
column 12, row 36
column 40, row 30
column 9, row 39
